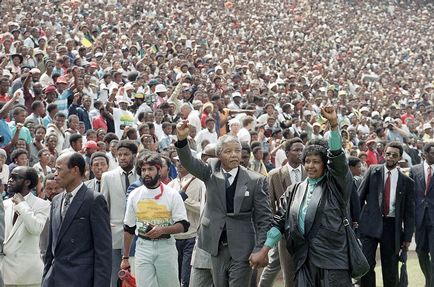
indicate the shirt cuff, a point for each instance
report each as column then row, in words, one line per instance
column 335, row 141
column 273, row 237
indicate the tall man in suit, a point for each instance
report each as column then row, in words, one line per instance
column 79, row 241
column 99, row 164
column 424, row 198
column 25, row 217
column 237, row 211
column 387, row 201
column 278, row 181
column 114, row 186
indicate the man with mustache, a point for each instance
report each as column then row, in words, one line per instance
column 154, row 212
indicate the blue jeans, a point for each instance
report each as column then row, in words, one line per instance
column 185, row 249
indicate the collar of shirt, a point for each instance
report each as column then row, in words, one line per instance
column 74, row 192
column 393, row 172
column 314, row 181
column 290, row 168
column 426, row 166
column 233, row 172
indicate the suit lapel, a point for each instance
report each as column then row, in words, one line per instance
column 220, row 177
column 379, row 177
column 285, row 179
column 72, row 210
column 296, row 203
column 9, row 215
column 240, row 189
column 313, row 206
column 398, row 192
column 56, row 220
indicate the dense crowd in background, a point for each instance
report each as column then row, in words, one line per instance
column 84, row 76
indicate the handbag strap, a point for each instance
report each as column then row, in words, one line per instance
column 345, row 220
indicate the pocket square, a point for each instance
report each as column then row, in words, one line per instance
column 247, row 193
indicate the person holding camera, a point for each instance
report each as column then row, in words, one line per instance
column 154, row 212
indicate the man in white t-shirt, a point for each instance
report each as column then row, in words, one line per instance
column 154, row 212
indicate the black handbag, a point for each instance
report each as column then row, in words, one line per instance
column 359, row 266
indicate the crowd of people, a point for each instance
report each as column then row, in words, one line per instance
column 160, row 137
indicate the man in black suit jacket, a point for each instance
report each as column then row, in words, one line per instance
column 424, row 201
column 79, row 244
column 387, row 201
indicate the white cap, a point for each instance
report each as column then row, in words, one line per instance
column 160, row 88
column 364, row 109
column 427, row 126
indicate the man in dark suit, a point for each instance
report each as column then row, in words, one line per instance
column 424, row 199
column 278, row 181
column 79, row 243
column 237, row 211
column 387, row 201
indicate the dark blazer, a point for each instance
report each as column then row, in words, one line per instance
column 371, row 200
column 327, row 249
column 79, row 248
column 418, row 175
column 247, row 226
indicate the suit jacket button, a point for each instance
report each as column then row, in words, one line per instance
column 72, row 241
column 19, row 241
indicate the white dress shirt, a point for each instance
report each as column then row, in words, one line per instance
column 393, row 184
column 292, row 172
column 233, row 172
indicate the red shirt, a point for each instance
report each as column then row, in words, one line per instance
column 371, row 157
column 99, row 123
column 4, row 98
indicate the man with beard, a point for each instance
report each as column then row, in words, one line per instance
column 25, row 218
column 387, row 216
column 114, row 186
column 154, row 212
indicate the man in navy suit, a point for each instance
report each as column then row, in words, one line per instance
column 79, row 244
column 424, row 200
column 387, row 216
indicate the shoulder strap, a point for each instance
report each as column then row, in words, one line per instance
column 188, row 183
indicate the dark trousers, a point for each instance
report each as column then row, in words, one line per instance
column 425, row 249
column 311, row 276
column 389, row 260
column 185, row 249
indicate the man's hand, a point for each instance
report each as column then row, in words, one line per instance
column 259, row 259
column 125, row 264
column 182, row 130
column 19, row 126
column 155, row 232
column 329, row 113
column 17, row 198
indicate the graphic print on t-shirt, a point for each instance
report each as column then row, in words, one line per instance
column 150, row 212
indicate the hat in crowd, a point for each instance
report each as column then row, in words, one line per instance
column 129, row 87
column 61, row 80
column 427, row 126
column 152, row 82
column 98, row 54
column 160, row 88
column 364, row 109
column 236, row 94
column 375, row 114
column 371, row 141
column 35, row 71
column 50, row 89
column 90, row 144
column 139, row 96
column 3, row 152
column 19, row 56
column 38, row 51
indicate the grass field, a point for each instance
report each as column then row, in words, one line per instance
column 415, row 276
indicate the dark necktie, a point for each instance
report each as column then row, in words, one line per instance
column 66, row 203
column 127, row 180
column 386, row 208
column 227, row 183
column 98, row 186
column 428, row 180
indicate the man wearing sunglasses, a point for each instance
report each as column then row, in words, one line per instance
column 387, row 216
